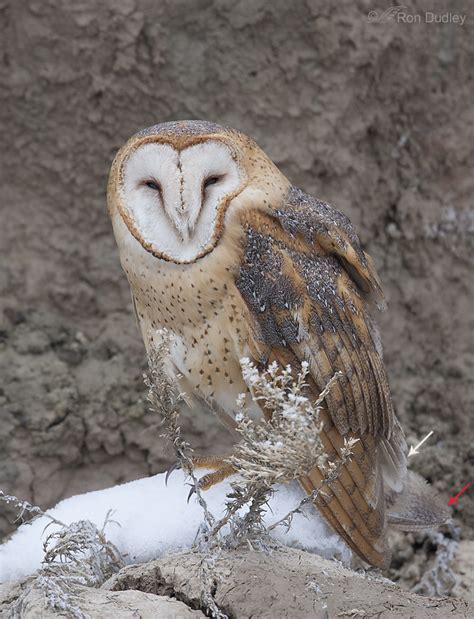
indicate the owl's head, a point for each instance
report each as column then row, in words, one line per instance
column 172, row 185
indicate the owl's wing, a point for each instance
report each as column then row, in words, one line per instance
column 305, row 283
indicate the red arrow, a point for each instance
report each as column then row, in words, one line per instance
column 454, row 499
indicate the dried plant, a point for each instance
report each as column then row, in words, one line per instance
column 75, row 555
column 24, row 507
column 85, row 550
column 164, row 398
column 78, row 554
column 284, row 447
column 288, row 443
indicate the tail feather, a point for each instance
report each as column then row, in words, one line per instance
column 374, row 552
column 354, row 504
column 416, row 507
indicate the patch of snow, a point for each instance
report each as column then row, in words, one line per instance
column 156, row 519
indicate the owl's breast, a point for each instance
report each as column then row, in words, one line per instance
column 211, row 370
column 202, row 311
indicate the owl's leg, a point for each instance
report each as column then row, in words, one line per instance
column 215, row 463
column 220, row 467
column 209, row 462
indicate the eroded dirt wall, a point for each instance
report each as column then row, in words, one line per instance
column 376, row 118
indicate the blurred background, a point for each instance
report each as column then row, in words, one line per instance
column 376, row 118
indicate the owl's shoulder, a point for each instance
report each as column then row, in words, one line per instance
column 302, row 214
column 308, row 229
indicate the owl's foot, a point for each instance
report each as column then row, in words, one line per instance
column 215, row 463
column 223, row 472
column 219, row 474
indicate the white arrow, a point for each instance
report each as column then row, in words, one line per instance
column 414, row 450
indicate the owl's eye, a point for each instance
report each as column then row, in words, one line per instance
column 210, row 180
column 153, row 185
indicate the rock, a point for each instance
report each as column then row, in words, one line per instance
column 281, row 583
column 99, row 604
column 463, row 566
column 284, row 583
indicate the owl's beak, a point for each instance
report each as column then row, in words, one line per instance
column 185, row 220
column 185, row 234
column 183, row 226
column 184, row 214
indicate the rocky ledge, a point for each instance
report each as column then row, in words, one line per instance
column 282, row 583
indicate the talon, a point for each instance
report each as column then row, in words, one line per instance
column 205, row 482
column 173, row 467
column 191, row 492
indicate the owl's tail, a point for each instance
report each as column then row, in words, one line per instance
column 358, row 507
column 416, row 507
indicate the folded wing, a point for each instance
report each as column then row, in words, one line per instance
column 306, row 285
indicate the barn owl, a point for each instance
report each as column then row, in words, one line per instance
column 220, row 249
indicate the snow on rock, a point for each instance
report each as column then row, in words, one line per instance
column 154, row 519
